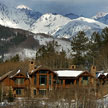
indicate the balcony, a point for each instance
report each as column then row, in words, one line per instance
column 19, row 85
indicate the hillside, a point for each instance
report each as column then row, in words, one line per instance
column 24, row 43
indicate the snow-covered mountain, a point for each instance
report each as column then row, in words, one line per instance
column 72, row 16
column 103, row 19
column 17, row 18
column 29, row 12
column 80, row 24
column 56, row 25
column 99, row 15
column 49, row 24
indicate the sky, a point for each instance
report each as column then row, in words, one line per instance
column 87, row 8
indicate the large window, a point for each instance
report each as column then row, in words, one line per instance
column 19, row 81
column 49, row 79
column 35, row 79
column 18, row 91
column 43, row 80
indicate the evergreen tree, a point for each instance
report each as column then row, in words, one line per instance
column 49, row 56
column 10, row 96
column 79, row 48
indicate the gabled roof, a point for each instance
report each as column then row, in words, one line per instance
column 15, row 74
column 40, row 68
column 104, row 74
column 68, row 73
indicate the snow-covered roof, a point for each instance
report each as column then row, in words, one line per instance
column 15, row 73
column 68, row 73
column 105, row 74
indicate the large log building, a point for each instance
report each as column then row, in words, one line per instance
column 40, row 80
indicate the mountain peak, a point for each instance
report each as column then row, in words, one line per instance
column 23, row 7
column 99, row 15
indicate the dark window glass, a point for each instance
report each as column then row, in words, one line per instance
column 61, row 82
column 57, row 81
column 35, row 79
column 34, row 92
column 49, row 79
column 85, row 78
column 43, row 80
column 18, row 91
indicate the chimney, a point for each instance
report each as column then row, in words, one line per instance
column 93, row 70
column 72, row 67
column 31, row 66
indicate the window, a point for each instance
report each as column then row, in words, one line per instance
column 61, row 82
column 34, row 92
column 69, row 81
column 42, row 92
column 43, row 80
column 19, row 81
column 85, row 78
column 35, row 79
column 18, row 91
column 49, row 79
column 57, row 81
column 43, row 71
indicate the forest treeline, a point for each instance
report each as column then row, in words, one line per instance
column 86, row 51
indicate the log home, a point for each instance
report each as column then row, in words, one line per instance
column 68, row 78
column 17, row 82
column 38, row 80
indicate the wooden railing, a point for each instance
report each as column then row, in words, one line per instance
column 19, row 85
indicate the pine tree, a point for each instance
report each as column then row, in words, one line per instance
column 10, row 96
column 79, row 48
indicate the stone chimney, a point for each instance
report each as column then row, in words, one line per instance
column 72, row 67
column 93, row 70
column 31, row 65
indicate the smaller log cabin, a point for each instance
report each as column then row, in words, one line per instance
column 17, row 82
column 69, row 78
column 102, row 78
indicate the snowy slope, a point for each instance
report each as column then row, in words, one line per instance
column 63, row 44
column 80, row 24
column 49, row 24
column 25, row 53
